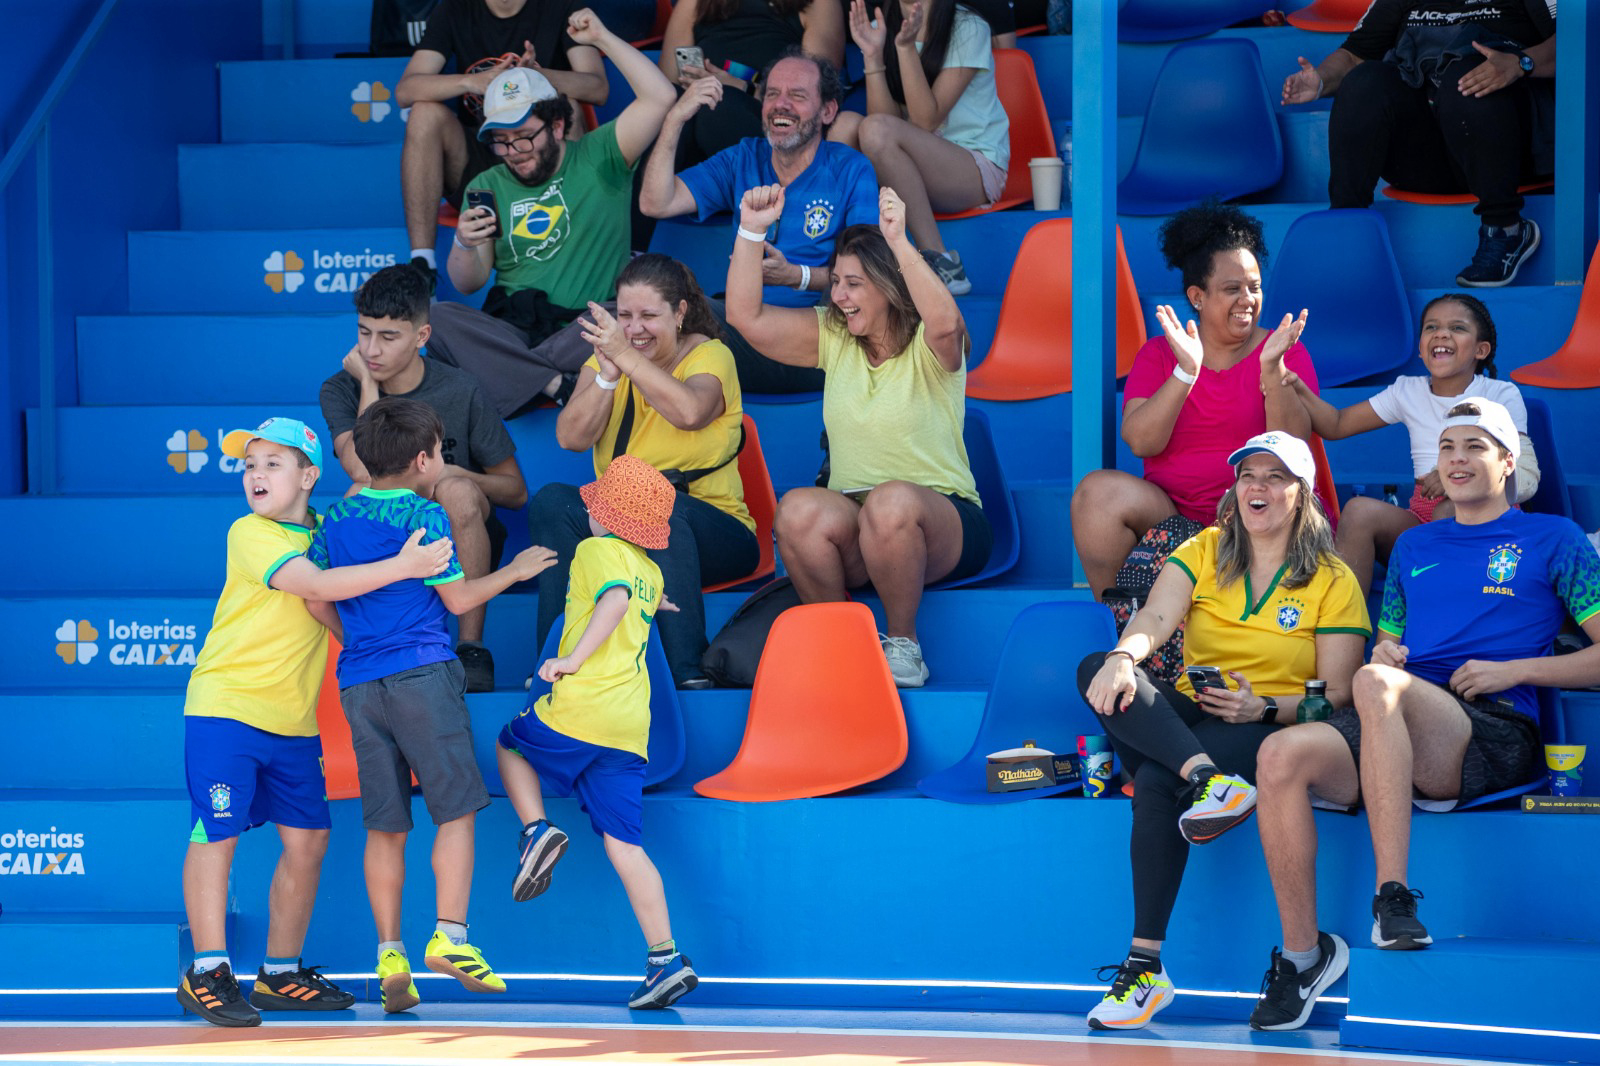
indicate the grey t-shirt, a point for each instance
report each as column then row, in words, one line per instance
column 474, row 436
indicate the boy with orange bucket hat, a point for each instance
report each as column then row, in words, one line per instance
column 589, row 735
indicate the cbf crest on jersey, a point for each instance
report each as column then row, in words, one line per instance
column 1503, row 563
column 221, row 797
column 1289, row 615
column 819, row 218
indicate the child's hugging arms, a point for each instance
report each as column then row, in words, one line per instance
column 304, row 578
column 462, row 595
column 608, row 613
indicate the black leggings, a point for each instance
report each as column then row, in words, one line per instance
column 1160, row 731
column 1382, row 127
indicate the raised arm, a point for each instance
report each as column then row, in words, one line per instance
column 1147, row 421
column 1284, row 411
column 927, row 105
column 943, row 327
column 653, row 94
column 585, row 83
column 822, row 32
column 870, row 36
column 785, row 334
column 662, row 194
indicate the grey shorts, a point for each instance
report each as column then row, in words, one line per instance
column 1503, row 752
column 414, row 722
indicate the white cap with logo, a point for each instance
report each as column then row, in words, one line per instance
column 511, row 97
column 1291, row 451
column 1493, row 419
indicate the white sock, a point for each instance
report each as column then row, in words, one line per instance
column 208, row 961
column 272, row 967
column 426, row 254
column 1303, row 960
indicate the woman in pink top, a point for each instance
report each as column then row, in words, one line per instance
column 1194, row 392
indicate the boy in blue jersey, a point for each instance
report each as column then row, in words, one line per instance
column 251, row 753
column 1445, row 711
column 590, row 733
column 401, row 686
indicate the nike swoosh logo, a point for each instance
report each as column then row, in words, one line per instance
column 1138, row 999
column 1305, row 992
column 648, row 981
column 1222, row 795
column 1415, row 570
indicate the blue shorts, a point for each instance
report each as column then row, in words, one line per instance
column 241, row 777
column 608, row 782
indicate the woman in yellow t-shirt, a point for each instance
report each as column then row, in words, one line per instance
column 901, row 509
column 662, row 388
column 1270, row 605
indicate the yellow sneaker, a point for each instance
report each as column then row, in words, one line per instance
column 399, row 992
column 463, row 962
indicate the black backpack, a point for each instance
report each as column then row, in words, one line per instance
column 734, row 653
column 1138, row 573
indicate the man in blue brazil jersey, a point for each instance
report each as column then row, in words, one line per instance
column 1446, row 710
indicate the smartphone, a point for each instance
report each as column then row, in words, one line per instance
column 1204, row 677
column 692, row 56
column 485, row 198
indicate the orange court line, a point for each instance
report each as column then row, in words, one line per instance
column 415, row 1045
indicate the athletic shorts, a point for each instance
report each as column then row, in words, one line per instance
column 977, row 539
column 1503, row 752
column 994, row 179
column 608, row 782
column 414, row 722
column 241, row 777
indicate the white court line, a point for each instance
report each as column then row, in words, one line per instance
column 1474, row 1028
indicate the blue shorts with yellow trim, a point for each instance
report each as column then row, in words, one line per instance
column 241, row 777
column 608, row 782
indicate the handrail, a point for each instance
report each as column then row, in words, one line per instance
column 52, row 96
column 35, row 136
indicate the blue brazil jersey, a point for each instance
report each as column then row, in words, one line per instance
column 400, row 626
column 1496, row 591
column 838, row 189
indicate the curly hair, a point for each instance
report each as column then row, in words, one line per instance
column 1480, row 315
column 1191, row 239
column 400, row 292
column 675, row 284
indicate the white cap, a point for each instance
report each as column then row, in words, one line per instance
column 511, row 97
column 1493, row 419
column 1291, row 451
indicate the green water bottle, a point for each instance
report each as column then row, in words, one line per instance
column 1314, row 706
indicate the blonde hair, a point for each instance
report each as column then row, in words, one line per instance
column 1310, row 539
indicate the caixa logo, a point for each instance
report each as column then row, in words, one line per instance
column 135, row 643
column 335, row 271
column 36, row 854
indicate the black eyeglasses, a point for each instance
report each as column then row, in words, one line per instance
column 516, row 144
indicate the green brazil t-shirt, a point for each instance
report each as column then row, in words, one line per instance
column 569, row 236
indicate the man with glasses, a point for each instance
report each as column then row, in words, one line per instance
column 551, row 225
column 481, row 39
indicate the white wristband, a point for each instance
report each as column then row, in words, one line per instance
column 1183, row 376
column 609, row 384
column 759, row 238
column 456, row 240
column 805, row 278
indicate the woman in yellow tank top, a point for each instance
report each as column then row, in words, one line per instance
column 901, row 509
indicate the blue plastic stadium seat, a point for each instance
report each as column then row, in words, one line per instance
column 1552, row 496
column 703, row 247
column 667, row 744
column 1174, row 20
column 1208, row 94
column 1341, row 265
column 1035, row 697
column 998, row 505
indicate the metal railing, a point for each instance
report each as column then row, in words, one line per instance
column 35, row 137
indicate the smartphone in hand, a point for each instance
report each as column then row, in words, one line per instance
column 1204, row 677
column 692, row 56
column 485, row 198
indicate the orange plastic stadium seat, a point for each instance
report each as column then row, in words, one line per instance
column 1441, row 198
column 1031, row 137
column 824, row 714
column 1325, row 486
column 338, row 757
column 1576, row 364
column 1031, row 355
column 1330, row 16
column 762, row 501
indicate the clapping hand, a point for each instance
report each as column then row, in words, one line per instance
column 1278, row 343
column 869, row 35
column 1183, row 340
column 603, row 332
column 910, row 27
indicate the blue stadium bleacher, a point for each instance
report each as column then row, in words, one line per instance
column 246, row 211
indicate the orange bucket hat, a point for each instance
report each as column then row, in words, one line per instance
column 633, row 500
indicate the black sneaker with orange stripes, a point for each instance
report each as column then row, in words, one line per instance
column 214, row 995
column 299, row 989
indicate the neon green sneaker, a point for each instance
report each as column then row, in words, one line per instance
column 463, row 962
column 399, row 992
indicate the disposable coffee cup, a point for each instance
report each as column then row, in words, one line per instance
column 1046, row 171
column 1094, row 754
column 1566, row 768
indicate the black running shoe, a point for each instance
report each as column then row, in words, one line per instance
column 1288, row 996
column 479, row 665
column 428, row 271
column 1394, row 919
column 214, row 995
column 1501, row 252
column 302, row 988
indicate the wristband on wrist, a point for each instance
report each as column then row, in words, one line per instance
column 1184, row 376
column 874, row 70
column 805, row 278
column 739, row 70
column 1122, row 651
column 456, row 240
column 750, row 235
column 609, row 384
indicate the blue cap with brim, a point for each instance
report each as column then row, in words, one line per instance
column 511, row 97
column 290, row 432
